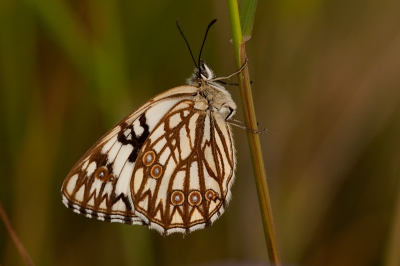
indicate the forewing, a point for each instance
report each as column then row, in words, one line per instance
column 182, row 178
column 98, row 186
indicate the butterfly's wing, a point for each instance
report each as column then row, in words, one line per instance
column 98, row 186
column 182, row 177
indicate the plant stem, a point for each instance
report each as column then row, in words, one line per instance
column 253, row 138
column 21, row 249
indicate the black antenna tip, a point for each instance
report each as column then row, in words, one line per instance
column 205, row 37
column 186, row 41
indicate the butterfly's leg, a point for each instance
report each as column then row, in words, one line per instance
column 240, row 124
column 231, row 75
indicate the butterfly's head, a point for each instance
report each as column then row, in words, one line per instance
column 204, row 72
column 201, row 73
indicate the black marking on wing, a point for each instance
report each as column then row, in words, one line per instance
column 208, row 223
column 99, row 158
column 122, row 138
column 106, row 217
column 124, row 198
column 140, row 140
column 135, row 141
column 82, row 210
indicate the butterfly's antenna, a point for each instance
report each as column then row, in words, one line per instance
column 205, row 37
column 187, row 43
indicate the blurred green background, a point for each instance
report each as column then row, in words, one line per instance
column 326, row 81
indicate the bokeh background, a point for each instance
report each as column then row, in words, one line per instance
column 326, row 84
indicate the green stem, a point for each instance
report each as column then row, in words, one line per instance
column 253, row 138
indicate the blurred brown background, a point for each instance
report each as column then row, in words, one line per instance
column 326, row 81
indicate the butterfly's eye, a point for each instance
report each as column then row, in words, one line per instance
column 177, row 198
column 195, row 198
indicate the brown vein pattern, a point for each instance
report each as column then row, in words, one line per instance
column 169, row 165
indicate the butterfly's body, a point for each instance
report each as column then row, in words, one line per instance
column 168, row 165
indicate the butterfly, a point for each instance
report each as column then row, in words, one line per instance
column 169, row 165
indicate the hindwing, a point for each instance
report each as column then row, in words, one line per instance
column 184, row 170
